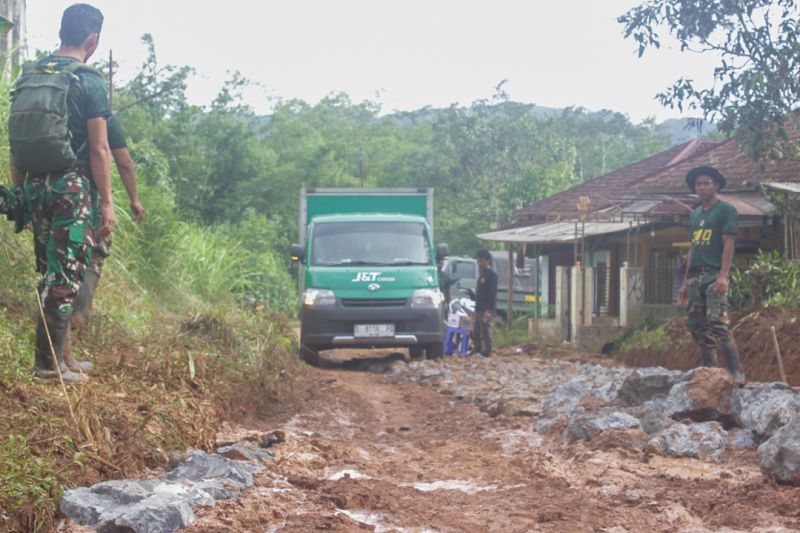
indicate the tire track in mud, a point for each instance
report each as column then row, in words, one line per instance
column 368, row 452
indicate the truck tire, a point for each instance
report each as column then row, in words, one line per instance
column 309, row 355
column 416, row 352
column 434, row 351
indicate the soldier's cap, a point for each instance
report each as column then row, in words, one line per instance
column 711, row 172
column 483, row 254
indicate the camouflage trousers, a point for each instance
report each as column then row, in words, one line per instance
column 102, row 245
column 60, row 208
column 708, row 312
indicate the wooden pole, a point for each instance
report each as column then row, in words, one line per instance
column 778, row 354
column 510, row 282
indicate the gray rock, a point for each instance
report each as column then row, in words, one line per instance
column 198, row 465
column 160, row 513
column 780, row 455
column 83, row 506
column 139, row 506
column 654, row 415
column 765, row 407
column 245, row 451
column 586, row 427
column 644, row 384
column 741, row 438
column 705, row 440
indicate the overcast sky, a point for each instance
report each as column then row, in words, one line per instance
column 406, row 54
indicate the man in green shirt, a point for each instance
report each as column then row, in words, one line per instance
column 60, row 200
column 712, row 231
column 82, row 306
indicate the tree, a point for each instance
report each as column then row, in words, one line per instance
column 757, row 83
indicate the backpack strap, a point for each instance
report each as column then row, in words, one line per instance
column 77, row 66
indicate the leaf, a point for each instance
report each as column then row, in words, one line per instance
column 5, row 25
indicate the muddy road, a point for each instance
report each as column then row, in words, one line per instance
column 369, row 451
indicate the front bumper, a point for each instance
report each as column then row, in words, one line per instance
column 333, row 327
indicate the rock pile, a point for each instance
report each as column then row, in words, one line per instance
column 165, row 505
column 697, row 413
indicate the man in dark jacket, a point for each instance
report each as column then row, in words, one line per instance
column 485, row 304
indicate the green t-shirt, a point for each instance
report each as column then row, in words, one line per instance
column 116, row 135
column 706, row 229
column 91, row 101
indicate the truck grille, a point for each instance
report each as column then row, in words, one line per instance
column 380, row 302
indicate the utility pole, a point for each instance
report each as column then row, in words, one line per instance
column 361, row 165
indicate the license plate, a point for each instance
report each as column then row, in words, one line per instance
column 373, row 330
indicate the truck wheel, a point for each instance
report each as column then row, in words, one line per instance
column 416, row 352
column 309, row 355
column 435, row 350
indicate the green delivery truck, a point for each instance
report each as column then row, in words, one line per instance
column 368, row 274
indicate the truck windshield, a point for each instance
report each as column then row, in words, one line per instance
column 370, row 243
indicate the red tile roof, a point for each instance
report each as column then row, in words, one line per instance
column 607, row 190
column 741, row 172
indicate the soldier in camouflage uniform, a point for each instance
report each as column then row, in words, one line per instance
column 713, row 227
column 60, row 203
column 82, row 306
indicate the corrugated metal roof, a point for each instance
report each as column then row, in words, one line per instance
column 785, row 187
column 556, row 232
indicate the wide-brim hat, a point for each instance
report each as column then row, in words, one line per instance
column 713, row 173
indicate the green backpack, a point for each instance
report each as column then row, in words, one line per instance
column 38, row 129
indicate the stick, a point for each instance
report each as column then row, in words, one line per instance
column 778, row 354
column 55, row 359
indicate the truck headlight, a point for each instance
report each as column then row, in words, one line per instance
column 318, row 297
column 427, row 298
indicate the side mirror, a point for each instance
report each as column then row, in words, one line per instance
column 442, row 251
column 298, row 253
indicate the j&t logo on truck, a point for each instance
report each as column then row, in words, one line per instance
column 366, row 276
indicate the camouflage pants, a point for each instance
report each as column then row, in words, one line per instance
column 102, row 245
column 482, row 335
column 708, row 312
column 60, row 211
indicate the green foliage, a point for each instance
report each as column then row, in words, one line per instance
column 771, row 279
column 514, row 334
column 755, row 87
column 649, row 334
column 26, row 479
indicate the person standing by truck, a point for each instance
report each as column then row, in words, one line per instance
column 485, row 304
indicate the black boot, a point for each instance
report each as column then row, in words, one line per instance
column 708, row 357
column 74, row 364
column 82, row 306
column 734, row 364
column 44, row 365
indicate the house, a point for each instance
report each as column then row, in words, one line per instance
column 611, row 246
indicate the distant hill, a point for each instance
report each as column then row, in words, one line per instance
column 681, row 130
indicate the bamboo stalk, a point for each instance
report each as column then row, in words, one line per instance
column 778, row 354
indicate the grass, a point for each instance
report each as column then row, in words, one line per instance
column 514, row 334
column 177, row 346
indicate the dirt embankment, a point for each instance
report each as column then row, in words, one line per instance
column 753, row 337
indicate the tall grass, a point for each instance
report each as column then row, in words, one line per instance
column 173, row 292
